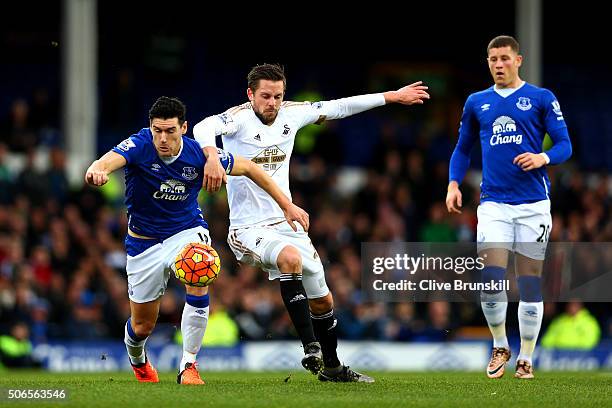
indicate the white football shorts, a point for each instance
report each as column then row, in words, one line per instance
column 148, row 272
column 260, row 245
column 522, row 228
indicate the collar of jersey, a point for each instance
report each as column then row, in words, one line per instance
column 506, row 92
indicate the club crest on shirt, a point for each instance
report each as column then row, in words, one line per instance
column 523, row 103
column 189, row 173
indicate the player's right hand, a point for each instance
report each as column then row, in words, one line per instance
column 96, row 177
column 295, row 213
column 214, row 174
column 453, row 198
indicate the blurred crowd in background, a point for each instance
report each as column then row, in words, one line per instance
column 62, row 257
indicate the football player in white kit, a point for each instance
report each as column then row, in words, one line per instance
column 263, row 130
column 164, row 173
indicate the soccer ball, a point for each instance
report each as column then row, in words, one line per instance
column 197, row 264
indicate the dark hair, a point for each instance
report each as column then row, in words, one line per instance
column 271, row 72
column 168, row 108
column 504, row 41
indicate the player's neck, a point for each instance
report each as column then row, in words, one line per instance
column 517, row 83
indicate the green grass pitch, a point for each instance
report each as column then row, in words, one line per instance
column 298, row 390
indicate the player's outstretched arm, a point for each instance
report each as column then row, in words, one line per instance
column 98, row 171
column 318, row 112
column 244, row 167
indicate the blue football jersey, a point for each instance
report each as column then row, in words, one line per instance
column 161, row 198
column 508, row 126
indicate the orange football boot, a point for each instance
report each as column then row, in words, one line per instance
column 189, row 375
column 145, row 372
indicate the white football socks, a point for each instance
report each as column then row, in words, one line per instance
column 530, row 320
column 193, row 327
column 494, row 306
column 134, row 345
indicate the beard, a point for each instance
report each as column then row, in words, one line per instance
column 268, row 119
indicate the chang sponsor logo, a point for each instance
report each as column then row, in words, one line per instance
column 172, row 190
column 504, row 132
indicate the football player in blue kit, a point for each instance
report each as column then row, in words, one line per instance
column 164, row 172
column 510, row 119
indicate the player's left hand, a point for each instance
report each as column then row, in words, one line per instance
column 415, row 93
column 529, row 161
column 295, row 213
column 214, row 175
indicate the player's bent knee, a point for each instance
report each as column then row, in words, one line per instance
column 321, row 305
column 143, row 329
column 289, row 260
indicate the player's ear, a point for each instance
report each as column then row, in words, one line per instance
column 184, row 128
column 519, row 60
column 250, row 94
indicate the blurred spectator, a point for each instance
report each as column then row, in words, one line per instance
column 438, row 228
column 16, row 348
column 575, row 329
column 438, row 326
column 17, row 131
column 31, row 182
column 40, row 321
column 404, row 324
column 120, row 103
column 44, row 111
column 6, row 178
column 222, row 330
column 56, row 176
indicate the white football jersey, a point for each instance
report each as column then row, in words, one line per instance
column 269, row 146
